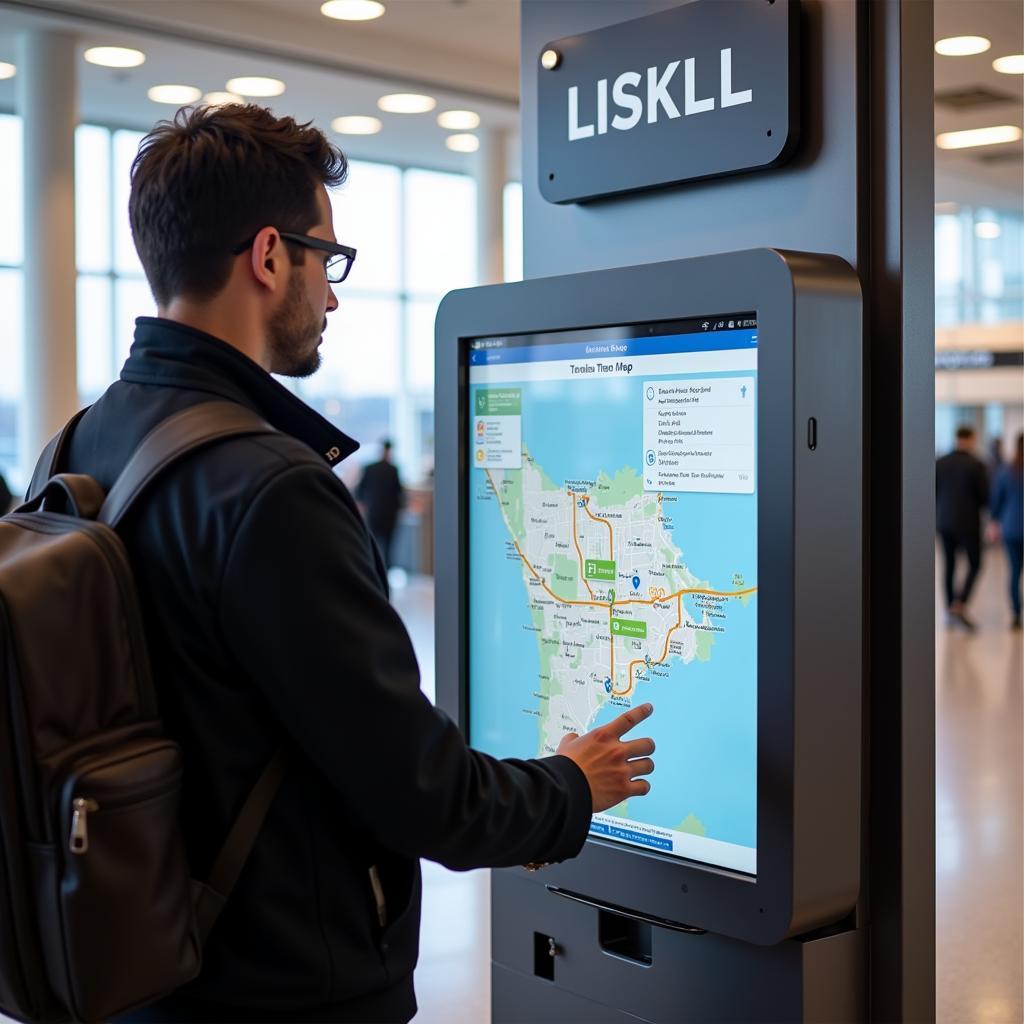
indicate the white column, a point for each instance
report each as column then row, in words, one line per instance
column 47, row 100
column 490, row 172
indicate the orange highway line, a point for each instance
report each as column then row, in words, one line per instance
column 576, row 541
column 664, row 654
column 543, row 583
column 600, row 519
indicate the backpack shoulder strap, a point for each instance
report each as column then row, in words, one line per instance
column 173, row 439
column 209, row 897
column 54, row 455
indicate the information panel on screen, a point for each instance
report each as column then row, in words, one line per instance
column 612, row 556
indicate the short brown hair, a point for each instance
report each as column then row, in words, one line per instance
column 211, row 178
column 964, row 432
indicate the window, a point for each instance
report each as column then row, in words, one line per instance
column 416, row 234
column 979, row 266
column 112, row 290
column 11, row 299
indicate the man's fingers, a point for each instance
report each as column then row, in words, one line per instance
column 641, row 766
column 629, row 720
column 639, row 787
column 639, row 748
column 570, row 736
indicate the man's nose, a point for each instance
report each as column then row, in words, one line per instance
column 332, row 300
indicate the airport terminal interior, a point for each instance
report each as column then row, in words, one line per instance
column 424, row 100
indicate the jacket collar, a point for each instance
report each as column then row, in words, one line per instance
column 171, row 354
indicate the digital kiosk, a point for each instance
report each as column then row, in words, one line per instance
column 649, row 488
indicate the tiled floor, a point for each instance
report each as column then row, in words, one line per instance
column 979, row 828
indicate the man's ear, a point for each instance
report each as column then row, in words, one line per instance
column 266, row 257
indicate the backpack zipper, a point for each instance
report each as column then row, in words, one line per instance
column 82, row 807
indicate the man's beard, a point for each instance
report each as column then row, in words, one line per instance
column 294, row 332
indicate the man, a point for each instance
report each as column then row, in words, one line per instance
column 266, row 609
column 961, row 489
column 380, row 495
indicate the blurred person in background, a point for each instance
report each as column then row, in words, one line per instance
column 961, row 492
column 1008, row 520
column 381, row 497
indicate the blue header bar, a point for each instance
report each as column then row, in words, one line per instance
column 711, row 341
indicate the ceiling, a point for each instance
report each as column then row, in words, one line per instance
column 992, row 175
column 464, row 52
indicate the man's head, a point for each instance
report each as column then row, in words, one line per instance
column 965, row 438
column 212, row 192
column 385, row 450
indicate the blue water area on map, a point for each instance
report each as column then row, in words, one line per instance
column 705, row 722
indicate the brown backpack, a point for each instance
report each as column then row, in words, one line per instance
column 98, row 914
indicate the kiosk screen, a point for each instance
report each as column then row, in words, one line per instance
column 612, row 554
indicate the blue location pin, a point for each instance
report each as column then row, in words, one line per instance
column 636, row 582
column 608, row 686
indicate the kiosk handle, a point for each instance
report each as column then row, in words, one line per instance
column 633, row 915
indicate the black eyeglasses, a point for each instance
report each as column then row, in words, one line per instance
column 337, row 266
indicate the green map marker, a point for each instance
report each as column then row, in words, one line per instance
column 599, row 569
column 630, row 627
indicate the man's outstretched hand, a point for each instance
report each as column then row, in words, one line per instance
column 611, row 764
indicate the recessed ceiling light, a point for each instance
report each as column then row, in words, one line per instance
column 115, row 56
column 406, row 103
column 463, row 143
column 947, row 207
column 978, row 137
column 356, row 124
column 987, row 229
column 178, row 95
column 352, row 10
column 459, row 120
column 962, row 46
column 254, row 85
column 7, row 70
column 1012, row 64
column 222, row 99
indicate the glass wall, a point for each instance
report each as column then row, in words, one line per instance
column 979, row 266
column 415, row 230
column 11, row 332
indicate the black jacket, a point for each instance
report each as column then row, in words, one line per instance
column 267, row 617
column 961, row 492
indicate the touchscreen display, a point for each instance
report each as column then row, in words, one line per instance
column 612, row 559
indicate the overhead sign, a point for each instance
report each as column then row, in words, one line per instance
column 697, row 91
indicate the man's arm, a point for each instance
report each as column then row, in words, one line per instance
column 304, row 614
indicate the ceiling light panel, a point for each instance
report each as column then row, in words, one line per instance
column 406, row 103
column 7, row 70
column 115, row 56
column 462, row 143
column 979, row 137
column 356, row 124
column 987, row 229
column 962, row 46
column 256, row 85
column 177, row 95
column 1012, row 64
column 222, row 99
column 352, row 10
column 459, row 120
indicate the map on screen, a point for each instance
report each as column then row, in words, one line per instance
column 613, row 560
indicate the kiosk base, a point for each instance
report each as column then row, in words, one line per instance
column 601, row 966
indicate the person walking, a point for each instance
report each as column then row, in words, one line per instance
column 1008, row 521
column 961, row 491
column 380, row 495
column 266, row 610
